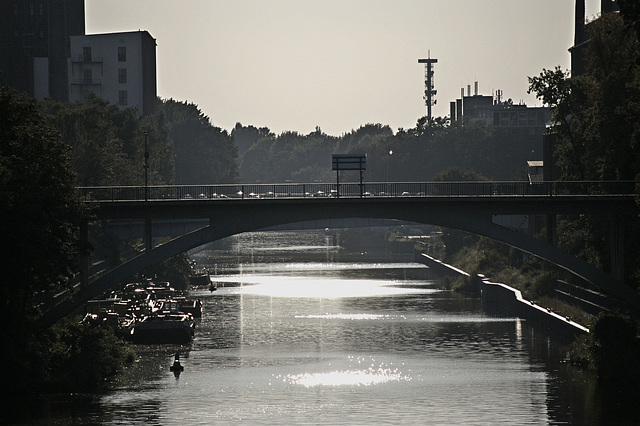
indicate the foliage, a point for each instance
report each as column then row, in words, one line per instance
column 203, row 153
column 107, row 143
column 595, row 118
column 40, row 243
column 176, row 270
column 41, row 209
column 81, row 355
column 456, row 174
column 585, row 237
column 416, row 154
column 595, row 115
column 72, row 356
column 611, row 349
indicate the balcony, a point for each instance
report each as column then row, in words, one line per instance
column 86, row 60
column 81, row 81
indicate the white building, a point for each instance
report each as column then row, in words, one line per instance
column 118, row 67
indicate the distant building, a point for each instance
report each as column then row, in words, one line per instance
column 118, row 67
column 514, row 119
column 34, row 44
column 45, row 52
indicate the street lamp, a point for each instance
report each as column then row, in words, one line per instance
column 388, row 161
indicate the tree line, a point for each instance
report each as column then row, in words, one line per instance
column 408, row 155
column 108, row 143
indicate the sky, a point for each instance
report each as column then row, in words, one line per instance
column 294, row 65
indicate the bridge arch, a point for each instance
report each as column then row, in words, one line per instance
column 230, row 218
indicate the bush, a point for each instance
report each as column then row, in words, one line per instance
column 69, row 357
column 83, row 356
column 611, row 349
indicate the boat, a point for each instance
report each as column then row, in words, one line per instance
column 193, row 307
column 164, row 327
column 121, row 324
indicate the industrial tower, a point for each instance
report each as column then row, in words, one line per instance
column 429, row 91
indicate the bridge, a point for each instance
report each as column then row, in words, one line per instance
column 226, row 210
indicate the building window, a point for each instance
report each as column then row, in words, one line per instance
column 122, row 98
column 122, row 54
column 86, row 54
column 122, row 75
column 88, row 75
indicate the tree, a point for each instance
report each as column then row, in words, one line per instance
column 41, row 209
column 106, row 142
column 456, row 174
column 595, row 118
column 203, row 153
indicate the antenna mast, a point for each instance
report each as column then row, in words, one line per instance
column 429, row 91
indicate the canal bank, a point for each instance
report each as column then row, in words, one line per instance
column 501, row 299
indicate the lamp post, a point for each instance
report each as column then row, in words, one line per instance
column 388, row 161
column 146, row 169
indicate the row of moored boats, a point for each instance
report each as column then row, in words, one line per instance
column 148, row 312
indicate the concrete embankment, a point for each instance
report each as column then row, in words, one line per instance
column 501, row 299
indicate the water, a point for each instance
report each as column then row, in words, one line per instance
column 300, row 333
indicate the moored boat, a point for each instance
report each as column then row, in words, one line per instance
column 164, row 328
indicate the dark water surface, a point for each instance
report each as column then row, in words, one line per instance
column 300, row 333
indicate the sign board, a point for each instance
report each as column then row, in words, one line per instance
column 349, row 162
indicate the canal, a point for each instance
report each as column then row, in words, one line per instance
column 300, row 332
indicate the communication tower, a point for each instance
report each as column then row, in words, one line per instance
column 429, row 91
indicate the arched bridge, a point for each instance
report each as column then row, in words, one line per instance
column 467, row 206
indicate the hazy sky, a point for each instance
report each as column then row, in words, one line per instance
column 339, row 64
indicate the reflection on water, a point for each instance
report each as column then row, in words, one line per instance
column 342, row 342
column 361, row 375
column 303, row 286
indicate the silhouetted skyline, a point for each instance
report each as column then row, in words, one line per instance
column 339, row 64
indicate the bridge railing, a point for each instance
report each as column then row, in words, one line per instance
column 373, row 189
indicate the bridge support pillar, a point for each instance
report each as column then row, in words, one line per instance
column 148, row 234
column 617, row 247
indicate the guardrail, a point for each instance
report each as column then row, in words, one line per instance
column 351, row 190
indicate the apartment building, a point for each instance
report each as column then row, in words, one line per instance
column 118, row 67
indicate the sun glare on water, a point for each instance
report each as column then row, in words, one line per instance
column 369, row 376
column 287, row 286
